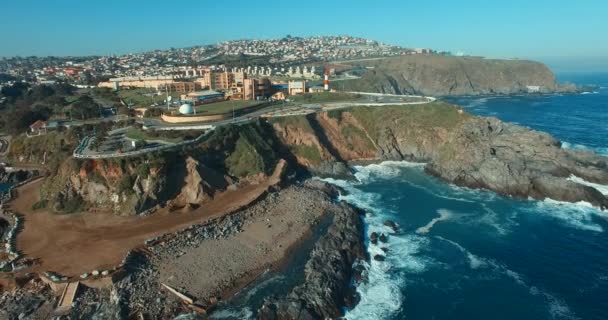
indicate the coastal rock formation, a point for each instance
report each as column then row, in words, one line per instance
column 200, row 184
column 231, row 157
column 437, row 75
column 466, row 150
column 490, row 154
column 123, row 188
column 328, row 272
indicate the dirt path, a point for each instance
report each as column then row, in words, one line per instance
column 74, row 244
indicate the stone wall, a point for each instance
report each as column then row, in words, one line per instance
column 189, row 119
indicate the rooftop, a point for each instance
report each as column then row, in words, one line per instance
column 203, row 93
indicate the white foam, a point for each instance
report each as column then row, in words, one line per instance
column 557, row 308
column 476, row 103
column 240, row 313
column 579, row 215
column 431, row 192
column 475, row 262
column 383, row 170
column 574, row 146
column 599, row 187
column 444, row 214
column 502, row 223
column 382, row 295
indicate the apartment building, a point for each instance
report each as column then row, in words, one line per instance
column 254, row 89
column 296, row 87
column 181, row 87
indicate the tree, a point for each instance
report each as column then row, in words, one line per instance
column 154, row 112
column 85, row 108
column 17, row 90
column 41, row 92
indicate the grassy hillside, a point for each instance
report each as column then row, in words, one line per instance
column 444, row 75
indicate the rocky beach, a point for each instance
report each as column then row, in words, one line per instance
column 210, row 262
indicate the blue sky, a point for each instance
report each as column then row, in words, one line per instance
column 555, row 31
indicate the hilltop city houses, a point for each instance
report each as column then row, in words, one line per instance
column 281, row 58
column 209, row 84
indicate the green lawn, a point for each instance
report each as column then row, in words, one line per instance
column 225, row 106
column 138, row 98
column 138, row 134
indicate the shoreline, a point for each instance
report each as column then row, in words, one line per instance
column 219, row 268
column 271, row 267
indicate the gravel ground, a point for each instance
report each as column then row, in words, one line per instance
column 214, row 259
column 206, row 261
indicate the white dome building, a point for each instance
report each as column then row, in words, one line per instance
column 186, row 109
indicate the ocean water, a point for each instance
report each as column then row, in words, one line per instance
column 470, row 254
column 579, row 121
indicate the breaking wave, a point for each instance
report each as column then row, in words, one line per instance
column 599, row 187
column 581, row 215
column 409, row 255
column 382, row 294
column 574, row 146
column 383, row 170
column 476, row 103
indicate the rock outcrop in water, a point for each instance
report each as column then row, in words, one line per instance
column 490, row 154
column 466, row 150
column 437, row 75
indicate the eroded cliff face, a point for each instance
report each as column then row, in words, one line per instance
column 200, row 184
column 444, row 75
column 181, row 179
column 323, row 142
column 125, row 188
column 460, row 148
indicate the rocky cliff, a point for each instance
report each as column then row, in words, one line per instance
column 450, row 76
column 460, row 148
column 181, row 179
column 457, row 147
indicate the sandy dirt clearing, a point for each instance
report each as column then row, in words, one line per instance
column 75, row 244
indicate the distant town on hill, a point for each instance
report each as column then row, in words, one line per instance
column 273, row 54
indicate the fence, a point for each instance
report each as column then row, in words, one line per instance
column 79, row 155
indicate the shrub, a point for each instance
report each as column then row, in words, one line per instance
column 125, row 185
column 42, row 204
column 75, row 204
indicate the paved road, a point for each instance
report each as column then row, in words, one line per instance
column 369, row 99
column 357, row 60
